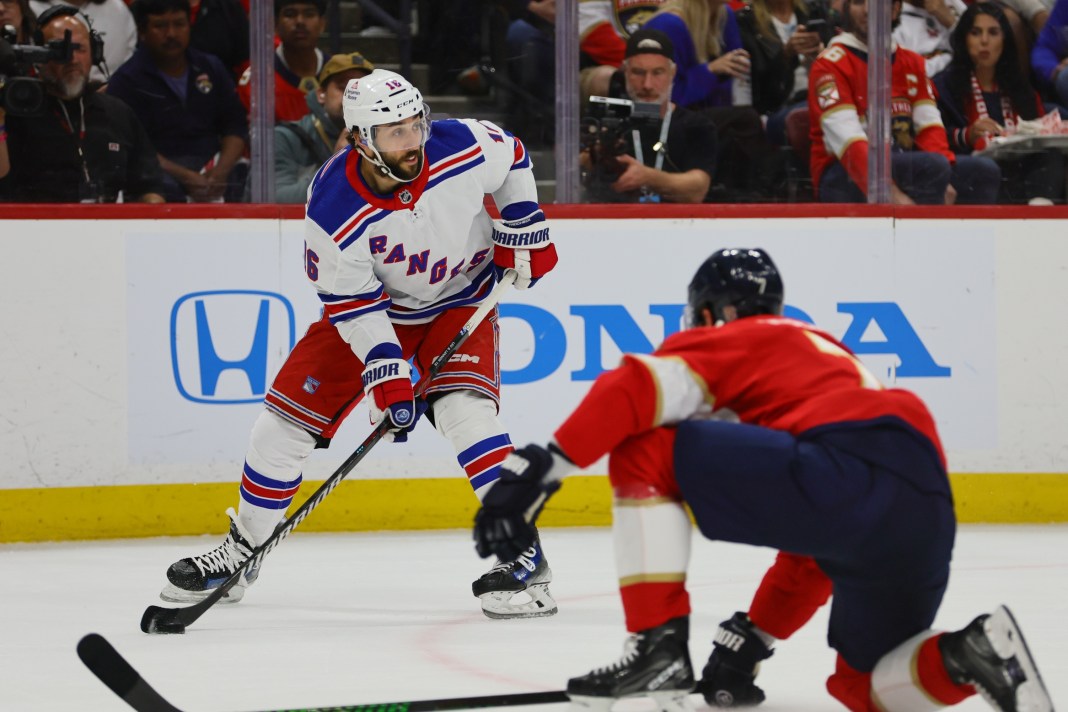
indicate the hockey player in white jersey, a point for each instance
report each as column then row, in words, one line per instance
column 401, row 251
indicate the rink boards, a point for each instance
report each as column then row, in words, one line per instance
column 136, row 353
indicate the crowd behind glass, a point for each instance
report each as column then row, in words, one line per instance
column 684, row 101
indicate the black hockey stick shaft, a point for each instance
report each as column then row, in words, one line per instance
column 157, row 619
column 112, row 669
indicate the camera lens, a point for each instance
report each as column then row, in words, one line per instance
column 23, row 96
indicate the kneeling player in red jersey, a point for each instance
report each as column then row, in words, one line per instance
column 774, row 434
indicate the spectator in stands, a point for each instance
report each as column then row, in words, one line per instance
column 677, row 152
column 298, row 59
column 531, row 66
column 983, row 94
column 604, row 26
column 923, row 169
column 186, row 102
column 86, row 147
column 301, row 147
column 17, row 14
column 1026, row 18
column 1050, row 55
column 709, row 57
column 111, row 19
column 220, row 27
column 781, row 48
column 924, row 28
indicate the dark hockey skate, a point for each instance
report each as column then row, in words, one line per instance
column 518, row 588
column 991, row 654
column 194, row 578
column 655, row 663
column 727, row 680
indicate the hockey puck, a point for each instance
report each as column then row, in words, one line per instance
column 164, row 628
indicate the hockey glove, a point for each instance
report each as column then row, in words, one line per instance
column 728, row 678
column 388, row 385
column 527, row 250
column 504, row 526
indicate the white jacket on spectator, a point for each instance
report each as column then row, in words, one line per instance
column 921, row 32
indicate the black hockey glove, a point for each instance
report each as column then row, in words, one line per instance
column 504, row 526
column 728, row 678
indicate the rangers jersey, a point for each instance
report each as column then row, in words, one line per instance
column 838, row 105
column 404, row 258
column 769, row 371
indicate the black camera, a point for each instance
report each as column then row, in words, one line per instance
column 20, row 93
column 612, row 128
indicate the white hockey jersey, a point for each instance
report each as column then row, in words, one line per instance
column 403, row 258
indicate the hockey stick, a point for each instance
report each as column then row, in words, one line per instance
column 157, row 619
column 112, row 669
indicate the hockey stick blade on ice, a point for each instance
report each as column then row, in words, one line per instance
column 112, row 669
column 157, row 619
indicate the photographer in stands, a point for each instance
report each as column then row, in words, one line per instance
column 82, row 146
column 646, row 149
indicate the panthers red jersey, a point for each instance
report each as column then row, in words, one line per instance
column 769, row 371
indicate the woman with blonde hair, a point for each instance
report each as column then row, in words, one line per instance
column 708, row 50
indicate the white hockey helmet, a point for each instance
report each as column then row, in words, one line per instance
column 380, row 98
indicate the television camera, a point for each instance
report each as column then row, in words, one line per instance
column 21, row 93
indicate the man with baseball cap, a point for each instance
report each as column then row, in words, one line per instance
column 675, row 157
column 302, row 146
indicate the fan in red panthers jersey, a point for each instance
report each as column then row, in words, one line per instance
column 401, row 251
column 774, row 435
column 923, row 169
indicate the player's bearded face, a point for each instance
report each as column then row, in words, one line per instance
column 405, row 164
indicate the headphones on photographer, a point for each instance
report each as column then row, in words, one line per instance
column 96, row 42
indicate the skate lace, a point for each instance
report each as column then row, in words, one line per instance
column 226, row 557
column 526, row 560
column 630, row 652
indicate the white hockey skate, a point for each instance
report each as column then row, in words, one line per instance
column 519, row 588
column 194, row 578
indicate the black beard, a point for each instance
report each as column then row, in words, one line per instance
column 402, row 172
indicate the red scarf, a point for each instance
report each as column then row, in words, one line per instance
column 976, row 108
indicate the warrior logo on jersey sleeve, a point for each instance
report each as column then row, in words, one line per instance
column 632, row 14
column 902, row 128
column 827, row 92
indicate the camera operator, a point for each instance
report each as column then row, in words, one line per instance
column 82, row 146
column 674, row 158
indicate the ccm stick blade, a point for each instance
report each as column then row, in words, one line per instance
column 112, row 669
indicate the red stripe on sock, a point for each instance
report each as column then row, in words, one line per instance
column 647, row 605
column 933, row 678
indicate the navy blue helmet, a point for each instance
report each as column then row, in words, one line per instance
column 745, row 279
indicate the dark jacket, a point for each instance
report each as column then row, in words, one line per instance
column 187, row 132
column 772, row 73
column 46, row 166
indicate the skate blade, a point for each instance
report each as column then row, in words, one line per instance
column 501, row 605
column 173, row 594
column 1008, row 642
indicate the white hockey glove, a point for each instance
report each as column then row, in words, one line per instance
column 528, row 250
column 504, row 526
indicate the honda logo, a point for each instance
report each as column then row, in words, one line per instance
column 225, row 343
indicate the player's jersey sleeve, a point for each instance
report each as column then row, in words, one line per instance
column 343, row 274
column 833, row 104
column 509, row 174
column 645, row 392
